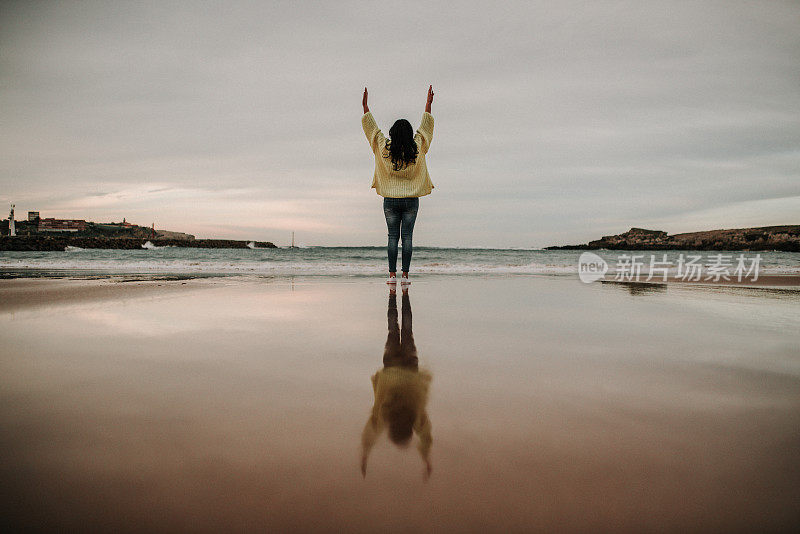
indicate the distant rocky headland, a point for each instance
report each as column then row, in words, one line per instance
column 782, row 238
column 56, row 234
column 61, row 242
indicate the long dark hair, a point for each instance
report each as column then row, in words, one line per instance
column 402, row 148
column 400, row 419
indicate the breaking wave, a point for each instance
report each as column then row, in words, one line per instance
column 319, row 261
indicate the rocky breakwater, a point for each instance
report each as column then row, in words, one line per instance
column 782, row 238
column 60, row 242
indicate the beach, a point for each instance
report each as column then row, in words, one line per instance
column 238, row 403
column 201, row 208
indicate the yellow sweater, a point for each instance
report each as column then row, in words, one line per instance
column 411, row 181
column 396, row 386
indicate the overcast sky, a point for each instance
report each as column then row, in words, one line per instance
column 555, row 122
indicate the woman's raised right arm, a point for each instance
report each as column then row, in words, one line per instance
column 424, row 134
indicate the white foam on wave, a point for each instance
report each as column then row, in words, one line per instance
column 279, row 268
column 70, row 248
column 150, row 246
column 276, row 263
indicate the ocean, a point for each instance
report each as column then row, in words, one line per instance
column 156, row 262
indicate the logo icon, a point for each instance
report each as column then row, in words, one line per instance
column 591, row 267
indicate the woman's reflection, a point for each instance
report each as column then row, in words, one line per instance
column 401, row 391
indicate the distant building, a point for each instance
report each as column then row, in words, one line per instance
column 61, row 225
column 33, row 216
column 11, row 228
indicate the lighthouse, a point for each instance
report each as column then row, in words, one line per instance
column 12, row 230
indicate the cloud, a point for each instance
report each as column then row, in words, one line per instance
column 554, row 121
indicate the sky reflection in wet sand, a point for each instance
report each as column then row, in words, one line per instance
column 552, row 405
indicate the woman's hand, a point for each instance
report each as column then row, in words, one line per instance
column 364, row 101
column 430, row 99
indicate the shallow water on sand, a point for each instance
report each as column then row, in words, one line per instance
column 553, row 405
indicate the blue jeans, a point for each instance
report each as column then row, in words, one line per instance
column 401, row 213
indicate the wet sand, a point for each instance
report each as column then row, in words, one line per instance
column 763, row 280
column 234, row 404
column 21, row 293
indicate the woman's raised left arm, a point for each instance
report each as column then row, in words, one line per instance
column 374, row 135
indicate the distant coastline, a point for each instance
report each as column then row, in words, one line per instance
column 60, row 242
column 765, row 238
column 47, row 234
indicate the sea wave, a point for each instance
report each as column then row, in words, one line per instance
column 320, row 261
column 274, row 268
column 150, row 246
column 300, row 268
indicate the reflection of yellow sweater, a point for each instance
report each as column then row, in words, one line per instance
column 398, row 385
column 411, row 181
